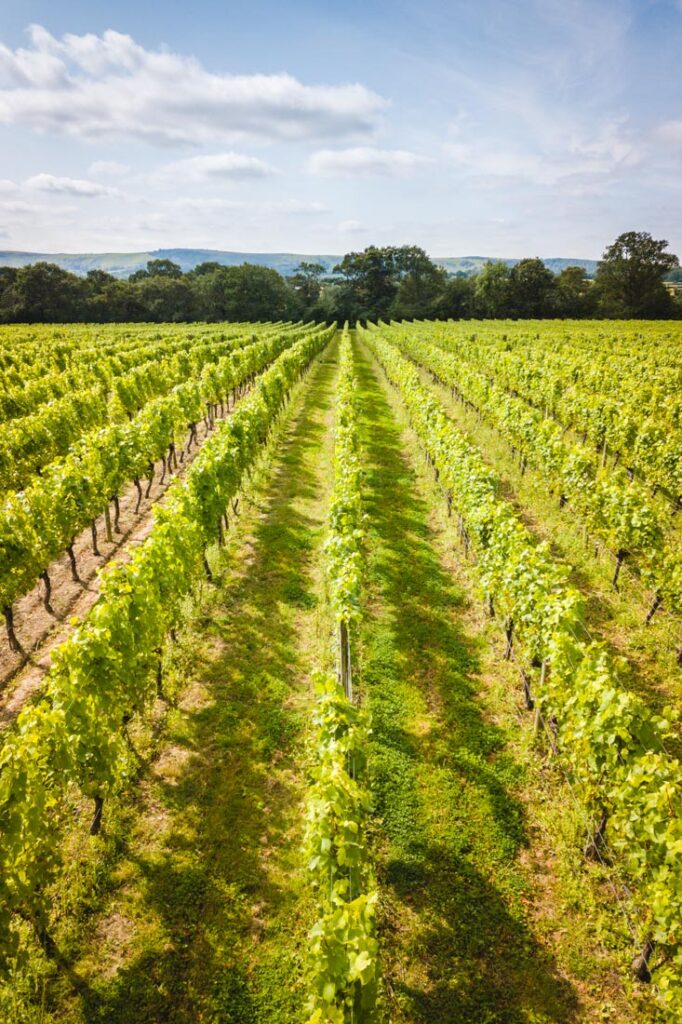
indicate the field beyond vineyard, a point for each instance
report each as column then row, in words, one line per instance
column 341, row 673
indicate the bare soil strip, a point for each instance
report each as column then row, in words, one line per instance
column 38, row 631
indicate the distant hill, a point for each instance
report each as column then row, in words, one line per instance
column 472, row 264
column 122, row 264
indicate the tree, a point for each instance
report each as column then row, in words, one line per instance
column 332, row 304
column 98, row 280
column 630, row 276
column 575, row 295
column 457, row 299
column 8, row 276
column 374, row 277
column 118, row 303
column 370, row 277
column 492, row 290
column 98, row 295
column 207, row 267
column 421, row 285
column 306, row 282
column 165, row 298
column 208, row 290
column 531, row 289
column 157, row 268
column 247, row 292
column 43, row 293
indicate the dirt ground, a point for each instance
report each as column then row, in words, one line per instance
column 40, row 631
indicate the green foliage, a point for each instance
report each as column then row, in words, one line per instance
column 70, row 493
column 610, row 742
column 532, row 289
column 106, row 670
column 246, row 292
column 342, row 954
column 493, row 289
column 378, row 278
column 631, row 273
column 344, row 556
column 30, row 442
column 615, row 509
column 395, row 281
column 42, row 292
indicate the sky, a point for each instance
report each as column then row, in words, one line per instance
column 500, row 128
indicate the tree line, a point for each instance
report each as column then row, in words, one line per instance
column 390, row 282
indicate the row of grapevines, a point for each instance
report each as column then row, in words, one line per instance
column 610, row 743
column 645, row 435
column 613, row 508
column 616, row 405
column 107, row 670
column 29, row 443
column 37, row 525
column 604, row 360
column 344, row 559
column 77, row 346
column 342, row 951
column 23, row 393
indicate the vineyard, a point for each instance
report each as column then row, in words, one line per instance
column 341, row 673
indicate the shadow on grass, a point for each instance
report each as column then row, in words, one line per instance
column 609, row 615
column 456, row 945
column 221, row 885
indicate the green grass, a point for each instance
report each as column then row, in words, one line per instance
column 203, row 908
column 456, row 942
column 618, row 617
column 194, row 905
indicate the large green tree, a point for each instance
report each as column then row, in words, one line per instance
column 43, row 293
column 8, row 276
column 531, row 289
column 165, row 298
column 457, row 300
column 396, row 281
column 630, row 276
column 493, row 290
column 244, row 292
column 575, row 295
column 371, row 282
column 157, row 268
column 306, row 281
column 421, row 285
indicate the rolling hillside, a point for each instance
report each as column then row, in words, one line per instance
column 122, row 264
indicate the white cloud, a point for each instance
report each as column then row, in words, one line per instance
column 108, row 169
column 71, row 186
column 350, row 227
column 215, row 166
column 552, row 162
column 42, row 212
column 109, row 86
column 671, row 131
column 296, row 207
column 366, row 160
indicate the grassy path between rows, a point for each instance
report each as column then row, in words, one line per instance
column 456, row 946
column 618, row 617
column 208, row 907
column 196, row 908
column 482, row 922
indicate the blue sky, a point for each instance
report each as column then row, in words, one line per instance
column 536, row 127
